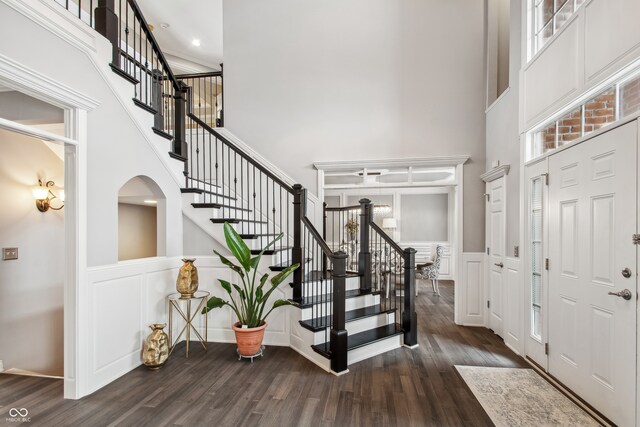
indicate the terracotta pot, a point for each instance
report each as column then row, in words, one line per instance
column 249, row 340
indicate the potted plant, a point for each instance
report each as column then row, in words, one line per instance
column 249, row 300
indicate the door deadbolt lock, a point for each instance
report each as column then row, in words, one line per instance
column 626, row 273
column 625, row 294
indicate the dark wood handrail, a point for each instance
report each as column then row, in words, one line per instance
column 386, row 237
column 199, row 75
column 343, row 209
column 154, row 44
column 242, row 154
column 316, row 235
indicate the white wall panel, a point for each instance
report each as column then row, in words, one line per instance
column 611, row 33
column 513, row 312
column 555, row 71
column 469, row 291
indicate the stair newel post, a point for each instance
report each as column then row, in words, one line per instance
column 409, row 317
column 324, row 237
column 157, row 89
column 221, row 124
column 179, row 139
column 299, row 200
column 364, row 256
column 338, row 335
column 107, row 25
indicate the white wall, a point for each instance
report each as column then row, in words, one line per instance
column 31, row 287
column 366, row 79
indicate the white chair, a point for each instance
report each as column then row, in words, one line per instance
column 432, row 271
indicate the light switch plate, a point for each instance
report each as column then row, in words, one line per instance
column 9, row 253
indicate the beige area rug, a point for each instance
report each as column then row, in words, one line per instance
column 520, row 397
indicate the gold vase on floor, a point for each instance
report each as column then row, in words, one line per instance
column 187, row 283
column 155, row 350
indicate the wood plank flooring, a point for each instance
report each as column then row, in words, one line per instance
column 404, row 387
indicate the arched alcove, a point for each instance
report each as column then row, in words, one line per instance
column 141, row 219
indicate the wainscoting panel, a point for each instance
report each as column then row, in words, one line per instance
column 542, row 72
column 469, row 292
column 514, row 304
column 125, row 298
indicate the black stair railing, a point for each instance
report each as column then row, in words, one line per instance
column 205, row 98
column 341, row 231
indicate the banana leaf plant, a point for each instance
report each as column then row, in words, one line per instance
column 251, row 297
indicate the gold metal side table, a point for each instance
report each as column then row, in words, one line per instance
column 175, row 301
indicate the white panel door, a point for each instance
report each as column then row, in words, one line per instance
column 536, row 280
column 496, row 230
column 592, row 217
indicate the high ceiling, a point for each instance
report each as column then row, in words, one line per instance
column 188, row 20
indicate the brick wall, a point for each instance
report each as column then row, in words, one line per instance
column 630, row 97
column 599, row 111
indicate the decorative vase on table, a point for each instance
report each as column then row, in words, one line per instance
column 155, row 350
column 187, row 283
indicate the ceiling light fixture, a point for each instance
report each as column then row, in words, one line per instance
column 43, row 195
column 195, row 42
column 151, row 27
column 151, row 202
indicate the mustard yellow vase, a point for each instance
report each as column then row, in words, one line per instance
column 155, row 350
column 187, row 283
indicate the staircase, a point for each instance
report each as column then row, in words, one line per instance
column 349, row 307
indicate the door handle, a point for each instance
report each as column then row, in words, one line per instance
column 625, row 294
column 498, row 264
column 626, row 273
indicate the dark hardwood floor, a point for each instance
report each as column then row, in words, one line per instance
column 401, row 388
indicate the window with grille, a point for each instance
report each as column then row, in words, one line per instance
column 549, row 16
column 536, row 256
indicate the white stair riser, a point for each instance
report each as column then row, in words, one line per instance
column 315, row 287
column 373, row 349
column 350, row 304
column 355, row 327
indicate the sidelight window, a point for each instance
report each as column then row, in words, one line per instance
column 536, row 256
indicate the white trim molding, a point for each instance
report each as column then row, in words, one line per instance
column 26, row 80
column 441, row 161
column 495, row 173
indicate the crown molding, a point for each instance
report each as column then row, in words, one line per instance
column 441, row 161
column 495, row 173
column 26, row 80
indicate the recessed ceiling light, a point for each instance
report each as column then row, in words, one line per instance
column 151, row 202
column 164, row 25
column 195, row 42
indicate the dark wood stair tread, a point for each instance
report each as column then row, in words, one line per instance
column 236, row 221
column 362, row 338
column 124, row 74
column 162, row 133
column 218, row 206
column 317, row 299
column 269, row 251
column 177, row 156
column 144, row 106
column 320, row 323
column 283, row 265
column 203, row 191
column 251, row 236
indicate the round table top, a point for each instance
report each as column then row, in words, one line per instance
column 196, row 295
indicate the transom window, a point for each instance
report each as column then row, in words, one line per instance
column 549, row 16
column 615, row 101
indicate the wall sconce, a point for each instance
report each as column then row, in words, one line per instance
column 43, row 195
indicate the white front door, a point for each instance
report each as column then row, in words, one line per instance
column 592, row 217
column 496, row 230
column 536, row 280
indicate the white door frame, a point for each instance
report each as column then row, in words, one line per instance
column 76, row 106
